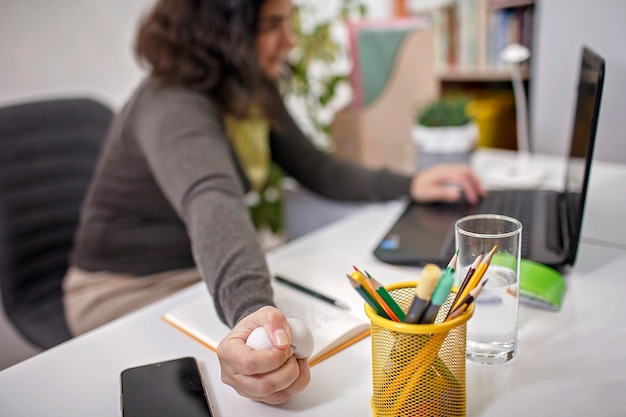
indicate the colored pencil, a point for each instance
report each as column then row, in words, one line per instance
column 384, row 294
column 474, row 279
column 360, row 278
column 465, row 303
column 366, row 282
column 365, row 295
column 466, row 279
column 452, row 264
column 482, row 268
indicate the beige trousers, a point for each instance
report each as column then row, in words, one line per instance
column 92, row 299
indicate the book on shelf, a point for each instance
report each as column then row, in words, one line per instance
column 333, row 328
column 470, row 34
column 504, row 4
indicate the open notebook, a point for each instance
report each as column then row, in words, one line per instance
column 333, row 328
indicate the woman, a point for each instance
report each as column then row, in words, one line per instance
column 166, row 205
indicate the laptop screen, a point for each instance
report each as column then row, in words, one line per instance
column 552, row 219
column 589, row 93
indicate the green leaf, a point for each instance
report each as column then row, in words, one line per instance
column 448, row 110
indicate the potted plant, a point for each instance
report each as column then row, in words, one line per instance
column 444, row 126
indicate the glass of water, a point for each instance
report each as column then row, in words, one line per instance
column 492, row 331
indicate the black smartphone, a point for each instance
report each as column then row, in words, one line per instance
column 165, row 389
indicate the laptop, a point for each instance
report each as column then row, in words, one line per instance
column 552, row 220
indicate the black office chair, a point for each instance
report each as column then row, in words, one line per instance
column 48, row 151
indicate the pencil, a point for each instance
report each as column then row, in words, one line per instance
column 365, row 295
column 452, row 264
column 311, row 292
column 465, row 303
column 482, row 268
column 371, row 294
column 384, row 294
column 367, row 284
column 466, row 279
column 475, row 277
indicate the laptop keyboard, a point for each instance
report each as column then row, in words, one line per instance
column 554, row 237
column 516, row 204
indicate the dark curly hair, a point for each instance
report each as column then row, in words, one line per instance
column 209, row 46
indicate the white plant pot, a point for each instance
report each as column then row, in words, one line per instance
column 446, row 140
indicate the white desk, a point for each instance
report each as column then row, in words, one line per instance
column 569, row 363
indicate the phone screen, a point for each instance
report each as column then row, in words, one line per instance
column 165, row 389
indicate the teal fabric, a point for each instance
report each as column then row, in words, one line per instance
column 378, row 49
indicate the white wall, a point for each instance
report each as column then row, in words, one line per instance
column 66, row 47
column 562, row 26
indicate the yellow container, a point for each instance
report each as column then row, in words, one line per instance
column 496, row 120
column 418, row 369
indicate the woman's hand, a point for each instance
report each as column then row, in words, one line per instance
column 446, row 182
column 270, row 376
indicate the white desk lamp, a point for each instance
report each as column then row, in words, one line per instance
column 518, row 174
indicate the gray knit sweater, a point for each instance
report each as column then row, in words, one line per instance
column 168, row 194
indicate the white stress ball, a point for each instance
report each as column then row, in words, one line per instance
column 301, row 339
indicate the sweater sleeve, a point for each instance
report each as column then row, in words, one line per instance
column 330, row 176
column 182, row 137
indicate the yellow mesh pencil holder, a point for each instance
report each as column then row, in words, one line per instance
column 418, row 369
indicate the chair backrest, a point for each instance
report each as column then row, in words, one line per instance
column 48, row 151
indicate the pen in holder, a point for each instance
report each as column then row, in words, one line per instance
column 418, row 369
